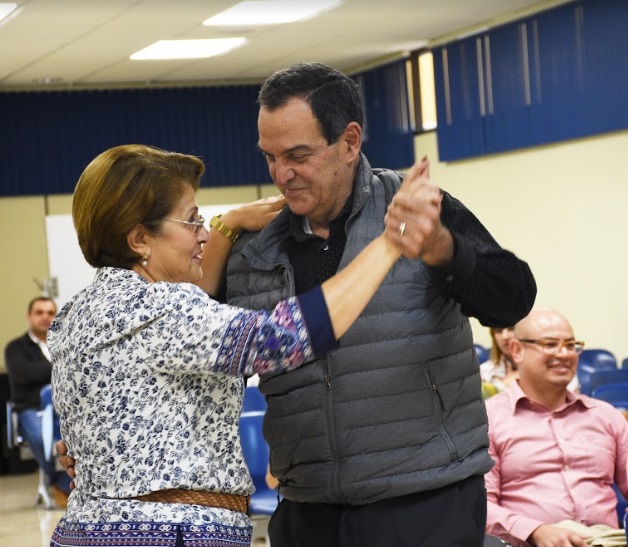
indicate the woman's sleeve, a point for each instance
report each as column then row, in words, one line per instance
column 197, row 334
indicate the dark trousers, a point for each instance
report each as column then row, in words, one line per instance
column 452, row 516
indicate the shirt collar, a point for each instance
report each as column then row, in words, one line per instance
column 35, row 339
column 42, row 345
column 516, row 395
column 300, row 226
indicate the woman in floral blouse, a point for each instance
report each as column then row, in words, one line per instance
column 148, row 369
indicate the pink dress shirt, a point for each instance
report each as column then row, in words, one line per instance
column 551, row 466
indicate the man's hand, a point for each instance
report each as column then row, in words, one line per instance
column 413, row 219
column 67, row 462
column 548, row 535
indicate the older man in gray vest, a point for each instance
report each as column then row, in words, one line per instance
column 384, row 441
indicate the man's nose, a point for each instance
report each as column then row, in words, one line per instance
column 563, row 351
column 283, row 172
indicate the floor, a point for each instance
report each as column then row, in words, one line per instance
column 21, row 523
column 24, row 525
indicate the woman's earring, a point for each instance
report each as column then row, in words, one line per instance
column 145, row 260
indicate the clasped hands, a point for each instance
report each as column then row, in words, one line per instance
column 413, row 219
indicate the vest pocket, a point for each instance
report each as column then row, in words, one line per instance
column 439, row 412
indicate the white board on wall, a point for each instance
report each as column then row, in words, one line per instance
column 65, row 259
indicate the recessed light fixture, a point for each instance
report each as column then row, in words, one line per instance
column 48, row 80
column 6, row 9
column 187, row 49
column 271, row 12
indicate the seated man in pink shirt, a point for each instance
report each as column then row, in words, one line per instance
column 557, row 453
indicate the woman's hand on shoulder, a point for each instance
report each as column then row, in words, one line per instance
column 254, row 216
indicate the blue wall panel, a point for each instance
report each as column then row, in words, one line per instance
column 47, row 138
column 557, row 75
column 388, row 137
column 458, row 98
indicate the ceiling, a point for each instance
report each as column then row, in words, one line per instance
column 87, row 43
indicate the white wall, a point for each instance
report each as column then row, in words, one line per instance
column 562, row 208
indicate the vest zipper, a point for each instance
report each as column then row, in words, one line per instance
column 439, row 415
column 333, row 445
column 436, row 392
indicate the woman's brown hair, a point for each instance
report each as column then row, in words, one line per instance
column 125, row 186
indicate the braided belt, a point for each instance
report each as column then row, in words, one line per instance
column 233, row 502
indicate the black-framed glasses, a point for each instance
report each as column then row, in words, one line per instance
column 553, row 347
column 196, row 224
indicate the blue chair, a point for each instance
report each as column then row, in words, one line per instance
column 622, row 505
column 609, row 376
column 615, row 393
column 253, row 400
column 256, row 454
column 264, row 500
column 590, row 361
column 482, row 353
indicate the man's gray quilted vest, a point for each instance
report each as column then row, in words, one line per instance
column 397, row 408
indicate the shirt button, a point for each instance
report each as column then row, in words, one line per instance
column 326, row 248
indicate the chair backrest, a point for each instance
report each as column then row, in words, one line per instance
column 613, row 393
column 482, row 353
column 590, row 361
column 45, row 396
column 253, row 399
column 621, row 506
column 609, row 376
column 624, row 363
column 13, row 436
column 256, row 451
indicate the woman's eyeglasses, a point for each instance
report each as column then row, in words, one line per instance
column 195, row 224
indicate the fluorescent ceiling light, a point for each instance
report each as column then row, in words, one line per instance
column 6, row 9
column 187, row 49
column 271, row 12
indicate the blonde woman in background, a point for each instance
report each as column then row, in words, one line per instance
column 499, row 371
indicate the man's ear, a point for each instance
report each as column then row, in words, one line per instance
column 516, row 351
column 353, row 140
column 137, row 241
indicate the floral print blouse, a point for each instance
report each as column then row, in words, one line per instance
column 147, row 380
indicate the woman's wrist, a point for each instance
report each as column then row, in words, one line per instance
column 227, row 225
column 390, row 247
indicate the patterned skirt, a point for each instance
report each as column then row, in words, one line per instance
column 148, row 534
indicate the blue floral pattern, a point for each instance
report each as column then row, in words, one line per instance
column 147, row 379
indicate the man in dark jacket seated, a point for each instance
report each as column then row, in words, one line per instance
column 29, row 369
